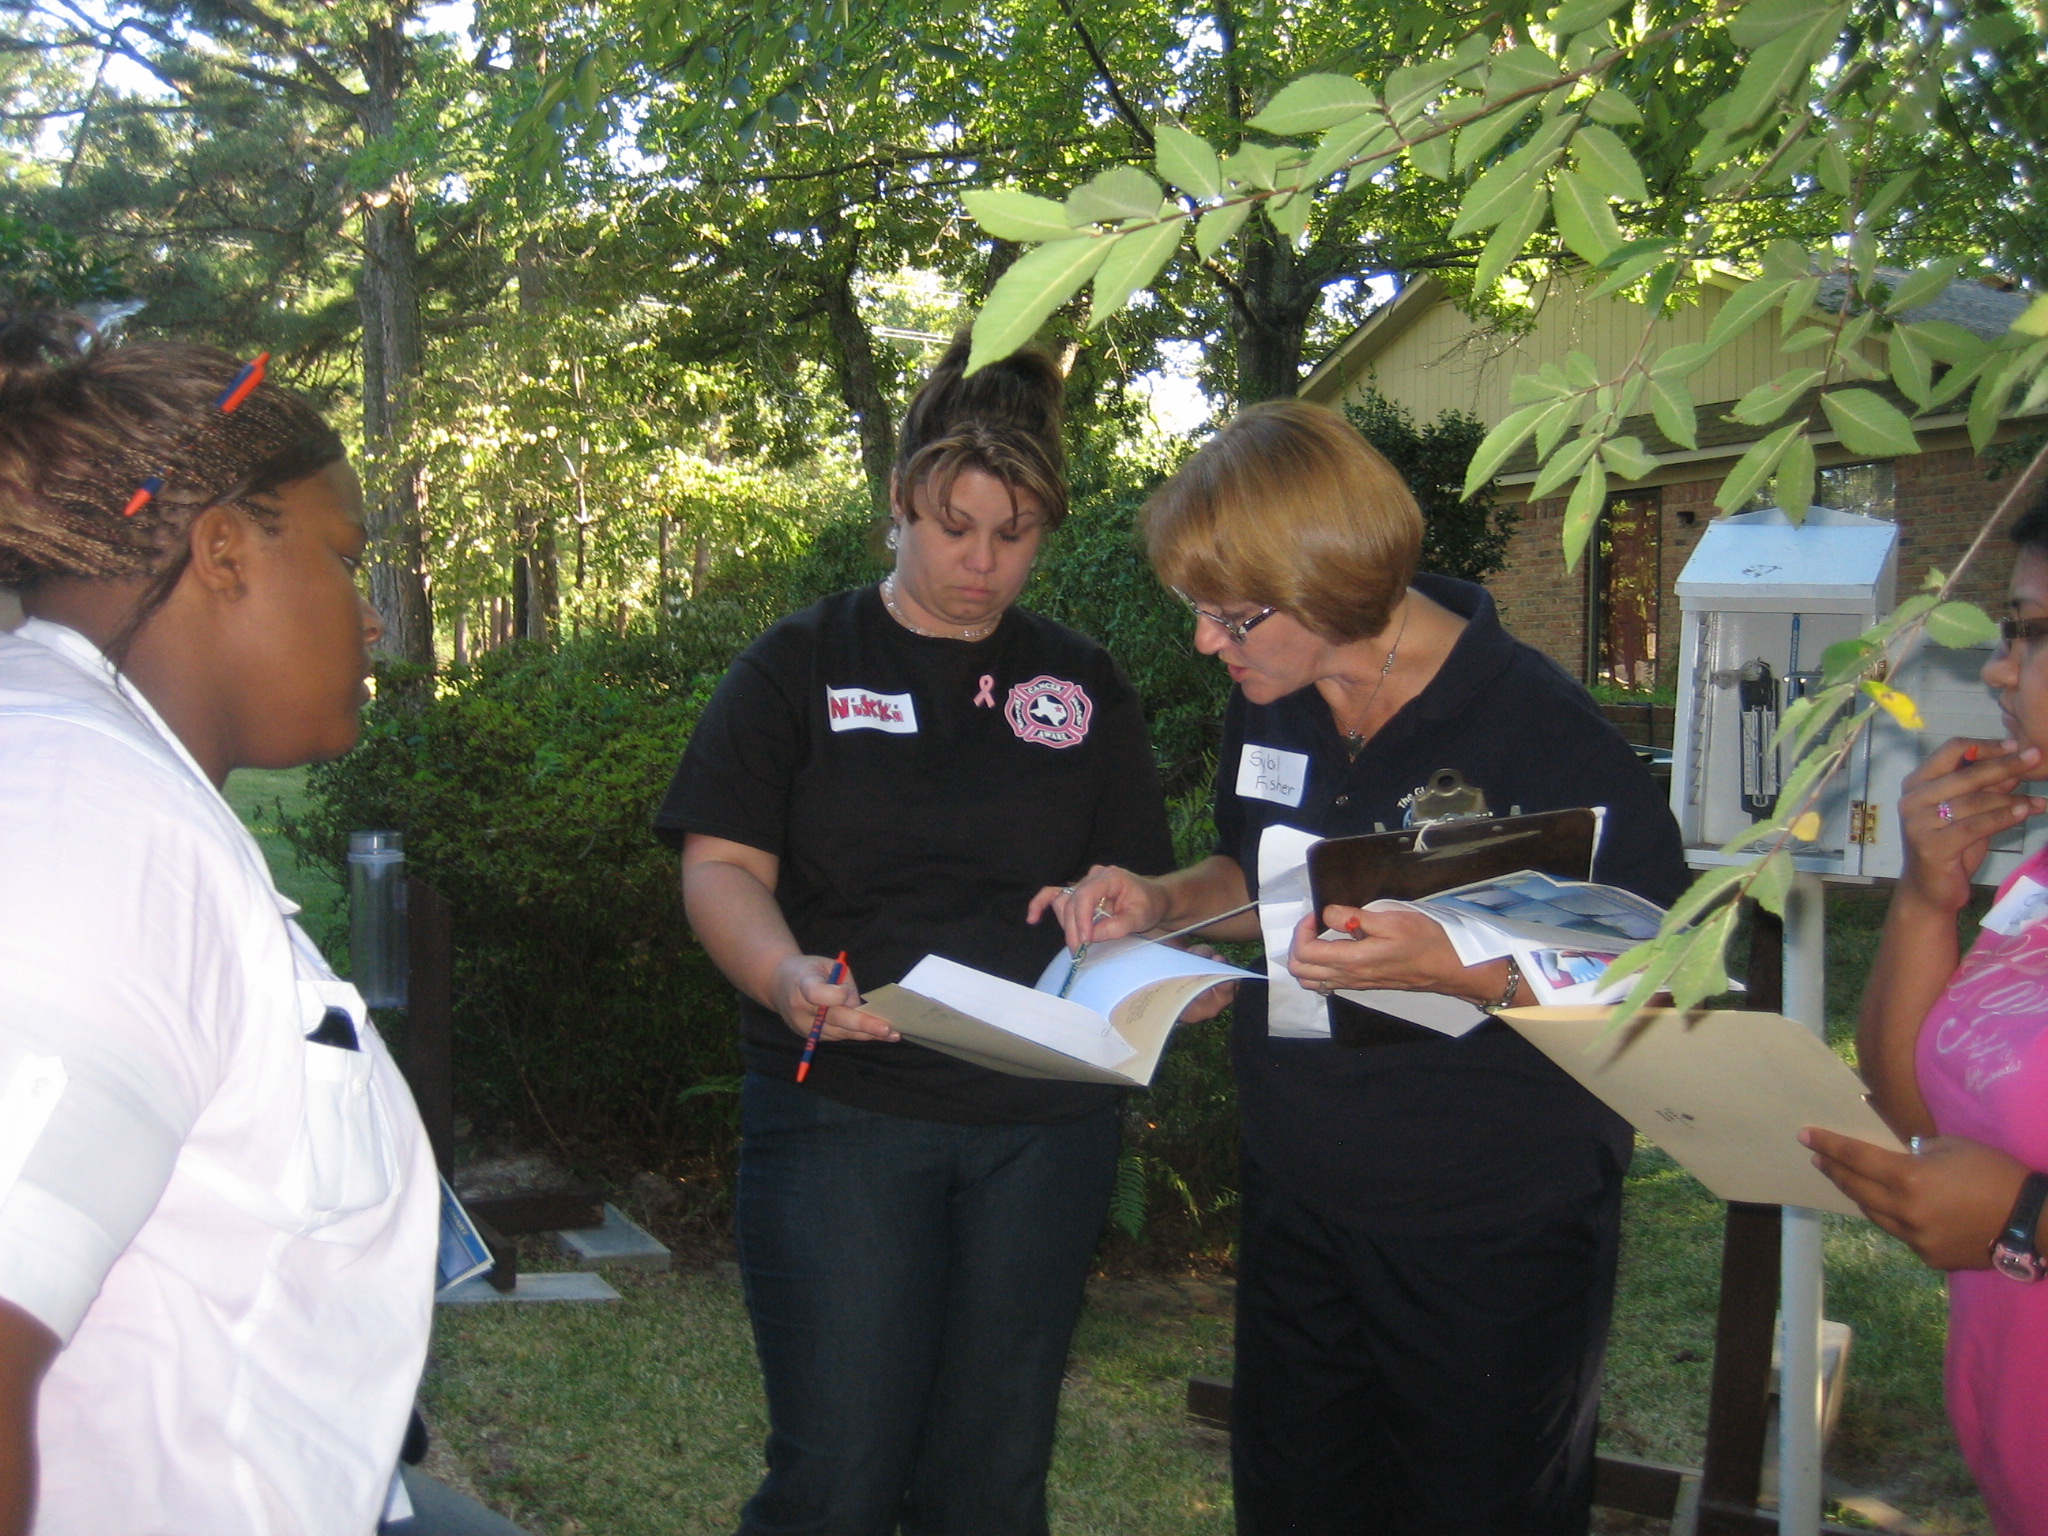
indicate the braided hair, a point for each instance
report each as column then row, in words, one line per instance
column 82, row 425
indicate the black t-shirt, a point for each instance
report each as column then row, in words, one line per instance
column 1422, row 1131
column 918, row 792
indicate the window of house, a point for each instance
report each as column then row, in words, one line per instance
column 1871, row 489
column 1625, row 584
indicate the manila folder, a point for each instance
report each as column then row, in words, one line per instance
column 1725, row 1092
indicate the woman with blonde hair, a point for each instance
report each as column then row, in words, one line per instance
column 1429, row 1222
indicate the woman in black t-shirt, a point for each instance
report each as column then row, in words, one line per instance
column 893, row 773
column 1428, row 1222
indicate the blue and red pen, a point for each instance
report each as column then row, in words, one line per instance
column 240, row 388
column 803, row 1065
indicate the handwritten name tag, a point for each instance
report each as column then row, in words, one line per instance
column 856, row 709
column 1267, row 773
column 2020, row 907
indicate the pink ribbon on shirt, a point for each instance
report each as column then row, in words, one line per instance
column 987, row 694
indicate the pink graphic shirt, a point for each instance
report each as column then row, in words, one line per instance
column 1982, row 1063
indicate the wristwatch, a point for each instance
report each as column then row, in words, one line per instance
column 2014, row 1254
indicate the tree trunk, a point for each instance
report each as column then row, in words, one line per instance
column 387, row 295
column 853, row 361
column 1269, row 315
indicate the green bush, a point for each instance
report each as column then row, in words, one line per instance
column 524, row 785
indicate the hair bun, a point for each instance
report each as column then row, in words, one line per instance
column 33, row 347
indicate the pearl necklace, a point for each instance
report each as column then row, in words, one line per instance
column 972, row 632
column 1354, row 741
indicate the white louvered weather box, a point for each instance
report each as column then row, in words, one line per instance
column 1761, row 600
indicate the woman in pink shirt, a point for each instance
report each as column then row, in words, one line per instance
column 1956, row 1057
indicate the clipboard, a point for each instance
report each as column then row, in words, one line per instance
column 1724, row 1091
column 1437, row 856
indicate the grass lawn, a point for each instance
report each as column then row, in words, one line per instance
column 644, row 1416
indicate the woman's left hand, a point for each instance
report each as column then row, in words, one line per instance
column 1395, row 949
column 1947, row 1202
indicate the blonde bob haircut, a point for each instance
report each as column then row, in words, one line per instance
column 1288, row 507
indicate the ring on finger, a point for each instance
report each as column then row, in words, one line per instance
column 1945, row 811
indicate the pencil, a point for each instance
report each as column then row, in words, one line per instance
column 803, row 1065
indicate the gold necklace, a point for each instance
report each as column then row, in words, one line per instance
column 1354, row 741
column 972, row 632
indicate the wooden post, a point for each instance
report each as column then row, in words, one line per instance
column 430, row 1018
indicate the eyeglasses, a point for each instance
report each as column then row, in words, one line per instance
column 2012, row 631
column 1237, row 629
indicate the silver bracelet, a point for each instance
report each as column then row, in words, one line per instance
column 1507, row 996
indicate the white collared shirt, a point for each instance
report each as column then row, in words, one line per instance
column 231, row 1228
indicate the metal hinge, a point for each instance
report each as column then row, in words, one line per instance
column 1863, row 822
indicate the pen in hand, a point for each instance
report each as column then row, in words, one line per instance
column 803, row 1065
column 1081, row 954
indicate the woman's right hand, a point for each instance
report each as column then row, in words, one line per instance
column 803, row 986
column 1974, row 781
column 1106, row 903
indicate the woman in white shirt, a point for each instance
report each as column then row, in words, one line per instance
column 217, row 1209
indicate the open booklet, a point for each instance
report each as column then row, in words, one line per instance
column 1725, row 1092
column 1111, row 1027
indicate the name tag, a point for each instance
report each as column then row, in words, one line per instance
column 2020, row 907
column 1267, row 773
column 856, row 709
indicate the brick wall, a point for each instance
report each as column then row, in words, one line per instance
column 1943, row 498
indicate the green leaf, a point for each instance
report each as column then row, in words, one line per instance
column 1409, row 87
column 1921, row 285
column 1630, row 263
column 1771, row 881
column 1627, row 457
column 1605, row 161
column 1313, row 103
column 1889, row 194
column 1683, row 360
column 1503, row 193
column 1509, row 239
column 1767, row 402
column 1711, row 888
column 1011, row 215
column 1755, row 467
column 1762, row 20
column 1561, row 466
column 1555, row 422
column 1288, row 213
column 1844, row 659
column 1518, row 69
column 1036, row 284
column 1364, row 141
column 1584, row 219
column 1216, row 226
column 1432, row 156
column 1833, row 167
column 1741, row 309
column 1582, row 512
column 1797, row 304
column 1702, row 971
column 1912, row 369
column 1613, row 108
column 1119, row 193
column 1251, row 165
column 1499, row 445
column 1868, row 424
column 1132, row 263
column 1947, row 342
column 1792, row 485
column 1577, row 15
column 1187, row 161
column 1477, row 139
column 1987, row 401
column 1677, row 418
column 1778, row 69
column 2033, row 320
column 1959, row 625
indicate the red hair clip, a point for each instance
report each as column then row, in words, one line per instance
column 239, row 389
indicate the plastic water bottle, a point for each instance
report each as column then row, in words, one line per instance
column 376, row 892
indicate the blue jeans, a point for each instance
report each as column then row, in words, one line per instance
column 913, row 1288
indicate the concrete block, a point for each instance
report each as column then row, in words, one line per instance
column 621, row 1241
column 563, row 1285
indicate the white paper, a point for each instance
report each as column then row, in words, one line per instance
column 1267, row 773
column 1292, row 1011
column 1113, row 971
column 1058, row 1023
column 1432, row 1010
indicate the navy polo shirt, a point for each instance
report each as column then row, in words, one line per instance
column 1423, row 1131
